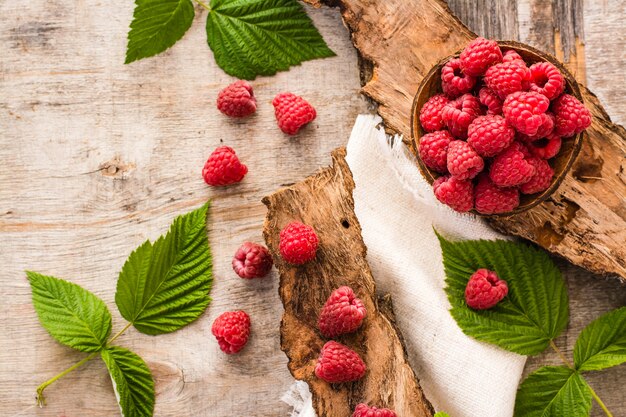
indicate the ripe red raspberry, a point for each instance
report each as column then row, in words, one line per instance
column 433, row 150
column 453, row 81
column 292, row 112
column 542, row 178
column 459, row 113
column 456, row 193
column 342, row 313
column 338, row 363
column 223, row 167
column 491, row 100
column 512, row 56
column 362, row 410
column 507, row 77
column 430, row 114
column 545, row 148
column 252, row 261
column 298, row 243
column 489, row 135
column 572, row 117
column 485, row 289
column 524, row 110
column 479, row 55
column 237, row 100
column 232, row 329
column 546, row 79
column 463, row 161
column 511, row 167
column 491, row 199
column 545, row 127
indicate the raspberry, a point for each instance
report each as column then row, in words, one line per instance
column 453, row 81
column 511, row 168
column 456, row 193
column 542, row 178
column 223, row 167
column 546, row 79
column 523, row 111
column 512, row 56
column 545, row 127
column 298, row 243
column 342, row 313
column 572, row 117
column 485, row 289
column 338, row 363
column 362, row 410
column 491, row 100
column 433, row 150
column 489, row 135
column 232, row 329
column 507, row 77
column 459, row 113
column 463, row 161
column 545, row 148
column 490, row 199
column 292, row 112
column 252, row 261
column 237, row 100
column 430, row 114
column 479, row 55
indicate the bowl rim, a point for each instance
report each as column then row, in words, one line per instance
column 417, row 131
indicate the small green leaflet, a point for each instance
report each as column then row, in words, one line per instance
column 261, row 37
column 553, row 391
column 602, row 343
column 72, row 315
column 132, row 381
column 157, row 25
column 165, row 286
column 442, row 414
column 534, row 312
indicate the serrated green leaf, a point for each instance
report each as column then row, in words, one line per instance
column 132, row 381
column 261, row 37
column 156, row 26
column 72, row 315
column 165, row 286
column 442, row 414
column 553, row 391
column 602, row 343
column 536, row 308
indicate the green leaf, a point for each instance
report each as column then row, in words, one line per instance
column 156, row 26
column 261, row 37
column 536, row 308
column 72, row 315
column 132, row 381
column 553, row 391
column 602, row 343
column 442, row 414
column 165, row 286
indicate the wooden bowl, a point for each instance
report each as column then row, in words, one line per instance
column 431, row 85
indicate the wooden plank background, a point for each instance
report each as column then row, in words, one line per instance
column 98, row 156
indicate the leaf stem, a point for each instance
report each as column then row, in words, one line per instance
column 599, row 401
column 41, row 401
column 561, row 355
column 118, row 334
column 203, row 4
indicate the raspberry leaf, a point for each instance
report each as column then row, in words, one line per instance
column 132, row 381
column 165, row 285
column 602, row 344
column 536, row 308
column 442, row 414
column 156, row 26
column 72, row 315
column 553, row 391
column 261, row 37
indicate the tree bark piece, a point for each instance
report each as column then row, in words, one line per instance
column 325, row 202
column 585, row 219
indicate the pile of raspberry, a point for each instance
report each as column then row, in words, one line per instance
column 496, row 127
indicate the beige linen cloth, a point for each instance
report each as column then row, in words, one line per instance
column 397, row 211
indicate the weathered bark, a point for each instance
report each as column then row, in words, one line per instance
column 585, row 219
column 325, row 200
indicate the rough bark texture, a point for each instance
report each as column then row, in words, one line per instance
column 585, row 219
column 325, row 200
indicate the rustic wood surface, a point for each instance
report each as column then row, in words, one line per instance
column 325, row 200
column 98, row 156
